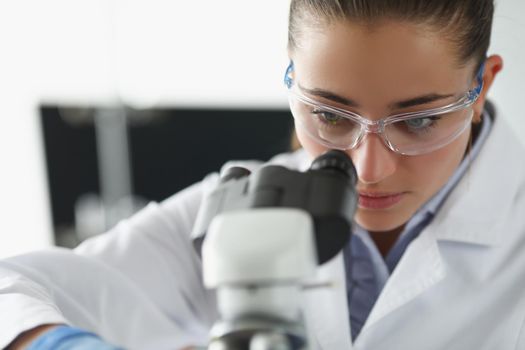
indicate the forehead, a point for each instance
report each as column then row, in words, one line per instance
column 388, row 61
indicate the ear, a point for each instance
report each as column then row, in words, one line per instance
column 493, row 65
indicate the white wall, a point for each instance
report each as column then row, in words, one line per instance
column 154, row 52
column 163, row 52
column 509, row 41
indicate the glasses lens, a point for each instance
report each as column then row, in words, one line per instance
column 410, row 136
column 426, row 133
column 326, row 126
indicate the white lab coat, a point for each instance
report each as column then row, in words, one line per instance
column 460, row 285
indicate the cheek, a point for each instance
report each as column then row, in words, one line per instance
column 311, row 147
column 432, row 171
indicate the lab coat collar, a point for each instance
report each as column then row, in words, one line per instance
column 326, row 309
column 420, row 268
column 469, row 214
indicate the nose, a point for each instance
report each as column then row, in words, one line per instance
column 373, row 161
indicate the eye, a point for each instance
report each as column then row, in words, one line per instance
column 327, row 117
column 420, row 123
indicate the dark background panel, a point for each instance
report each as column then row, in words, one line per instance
column 71, row 162
column 169, row 148
column 185, row 145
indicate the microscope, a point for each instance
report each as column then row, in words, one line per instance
column 261, row 236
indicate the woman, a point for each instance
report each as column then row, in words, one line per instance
column 435, row 257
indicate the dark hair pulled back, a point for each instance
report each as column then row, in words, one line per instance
column 466, row 23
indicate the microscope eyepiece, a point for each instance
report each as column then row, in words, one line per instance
column 337, row 161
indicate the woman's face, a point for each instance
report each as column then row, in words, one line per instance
column 377, row 67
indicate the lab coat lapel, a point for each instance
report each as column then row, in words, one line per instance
column 420, row 268
column 326, row 308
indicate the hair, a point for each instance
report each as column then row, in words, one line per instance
column 467, row 23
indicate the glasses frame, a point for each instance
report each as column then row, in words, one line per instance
column 378, row 126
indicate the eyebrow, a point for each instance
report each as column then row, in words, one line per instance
column 412, row 102
column 330, row 96
column 420, row 100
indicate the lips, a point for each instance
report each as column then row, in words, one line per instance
column 379, row 200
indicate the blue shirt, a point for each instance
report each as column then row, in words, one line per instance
column 366, row 270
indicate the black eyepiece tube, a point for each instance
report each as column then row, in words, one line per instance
column 337, row 161
column 326, row 191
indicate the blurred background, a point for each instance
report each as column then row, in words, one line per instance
column 106, row 105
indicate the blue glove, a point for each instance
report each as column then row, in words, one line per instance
column 69, row 338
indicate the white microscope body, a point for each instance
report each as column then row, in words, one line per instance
column 258, row 260
column 264, row 237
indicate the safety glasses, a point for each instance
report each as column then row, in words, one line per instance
column 413, row 133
